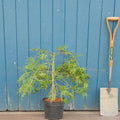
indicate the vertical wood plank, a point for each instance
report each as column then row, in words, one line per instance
column 11, row 54
column 70, row 25
column 34, row 42
column 46, row 33
column 107, row 11
column 116, row 57
column 3, row 104
column 22, row 44
column 58, row 25
column 70, row 31
column 82, row 27
column 58, row 29
column 93, row 52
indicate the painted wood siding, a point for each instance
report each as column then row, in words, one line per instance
column 47, row 24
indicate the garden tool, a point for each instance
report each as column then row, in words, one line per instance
column 109, row 96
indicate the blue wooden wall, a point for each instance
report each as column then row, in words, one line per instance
column 47, row 24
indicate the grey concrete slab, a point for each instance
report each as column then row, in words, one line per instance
column 82, row 115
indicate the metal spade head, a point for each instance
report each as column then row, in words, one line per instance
column 109, row 102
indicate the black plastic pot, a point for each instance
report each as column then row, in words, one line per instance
column 53, row 110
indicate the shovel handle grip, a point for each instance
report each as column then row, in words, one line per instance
column 112, row 36
column 112, row 18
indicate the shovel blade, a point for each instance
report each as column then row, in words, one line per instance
column 109, row 102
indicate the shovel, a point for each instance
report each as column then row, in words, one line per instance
column 109, row 96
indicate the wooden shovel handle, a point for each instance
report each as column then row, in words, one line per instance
column 112, row 37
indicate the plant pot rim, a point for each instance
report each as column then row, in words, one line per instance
column 53, row 101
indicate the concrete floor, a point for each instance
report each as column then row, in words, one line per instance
column 67, row 116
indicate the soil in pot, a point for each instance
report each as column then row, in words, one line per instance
column 54, row 109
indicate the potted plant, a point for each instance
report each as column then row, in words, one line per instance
column 64, row 80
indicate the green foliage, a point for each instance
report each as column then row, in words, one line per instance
column 64, row 80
